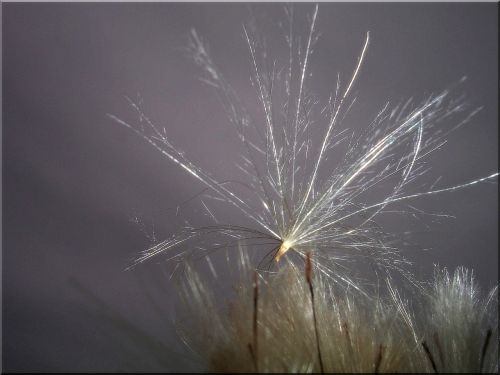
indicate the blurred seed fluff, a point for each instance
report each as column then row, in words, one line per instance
column 314, row 313
column 297, row 320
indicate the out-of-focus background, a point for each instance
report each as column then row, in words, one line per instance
column 73, row 181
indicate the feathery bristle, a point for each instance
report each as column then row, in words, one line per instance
column 295, row 201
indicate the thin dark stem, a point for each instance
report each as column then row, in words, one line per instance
column 485, row 349
column 429, row 355
column 345, row 329
column 378, row 362
column 255, row 313
column 252, row 354
column 440, row 349
column 311, row 291
column 254, row 346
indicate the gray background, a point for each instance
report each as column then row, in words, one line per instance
column 72, row 178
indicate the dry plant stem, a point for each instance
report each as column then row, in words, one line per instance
column 440, row 349
column 254, row 346
column 254, row 359
column 485, row 349
column 345, row 329
column 379, row 358
column 430, row 356
column 308, row 270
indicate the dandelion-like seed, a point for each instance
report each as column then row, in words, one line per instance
column 287, row 201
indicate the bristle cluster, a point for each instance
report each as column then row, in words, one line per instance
column 296, row 321
column 461, row 324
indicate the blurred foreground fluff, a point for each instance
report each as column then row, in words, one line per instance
column 270, row 325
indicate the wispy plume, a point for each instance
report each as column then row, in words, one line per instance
column 462, row 328
column 291, row 198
